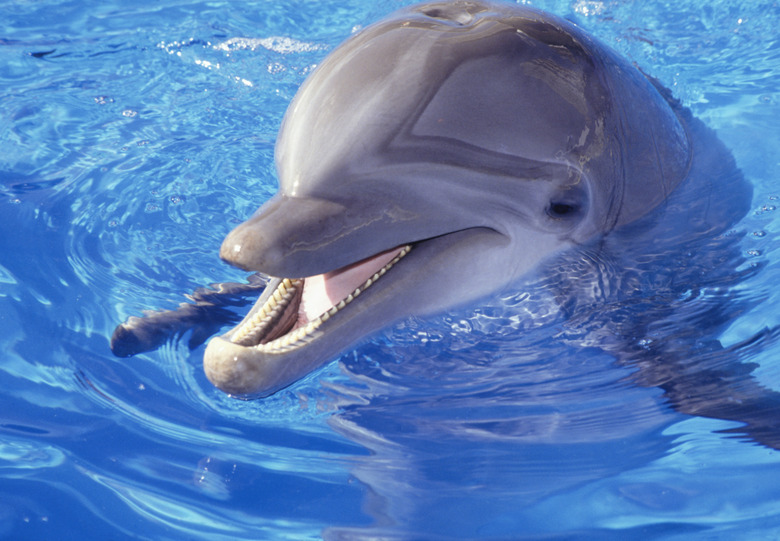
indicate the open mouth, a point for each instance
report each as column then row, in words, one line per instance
column 291, row 316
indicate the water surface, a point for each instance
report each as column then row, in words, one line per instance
column 135, row 137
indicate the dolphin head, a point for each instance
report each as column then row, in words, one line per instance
column 433, row 159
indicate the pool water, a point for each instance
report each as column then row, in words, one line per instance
column 135, row 136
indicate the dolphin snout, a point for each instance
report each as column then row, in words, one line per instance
column 278, row 240
column 247, row 248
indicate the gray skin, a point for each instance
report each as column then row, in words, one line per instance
column 487, row 136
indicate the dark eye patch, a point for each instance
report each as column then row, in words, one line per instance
column 558, row 209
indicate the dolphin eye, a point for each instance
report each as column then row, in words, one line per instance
column 559, row 209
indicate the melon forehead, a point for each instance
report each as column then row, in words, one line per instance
column 405, row 83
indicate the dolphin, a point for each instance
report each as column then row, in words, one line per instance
column 435, row 158
column 456, row 152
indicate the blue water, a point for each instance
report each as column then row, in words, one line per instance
column 134, row 136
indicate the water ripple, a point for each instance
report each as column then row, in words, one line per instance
column 128, row 155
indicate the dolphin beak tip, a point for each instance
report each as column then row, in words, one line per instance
column 234, row 250
column 229, row 250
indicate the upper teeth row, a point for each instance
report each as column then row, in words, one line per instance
column 304, row 335
column 249, row 332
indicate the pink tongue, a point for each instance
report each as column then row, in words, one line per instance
column 324, row 291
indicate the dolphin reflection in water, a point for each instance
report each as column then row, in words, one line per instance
column 456, row 152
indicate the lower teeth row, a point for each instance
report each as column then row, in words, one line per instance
column 303, row 335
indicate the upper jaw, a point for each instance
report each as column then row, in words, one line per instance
column 306, row 235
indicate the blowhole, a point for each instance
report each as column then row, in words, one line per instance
column 450, row 14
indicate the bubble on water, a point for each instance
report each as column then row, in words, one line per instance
column 589, row 8
column 646, row 342
column 277, row 44
column 276, row 67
